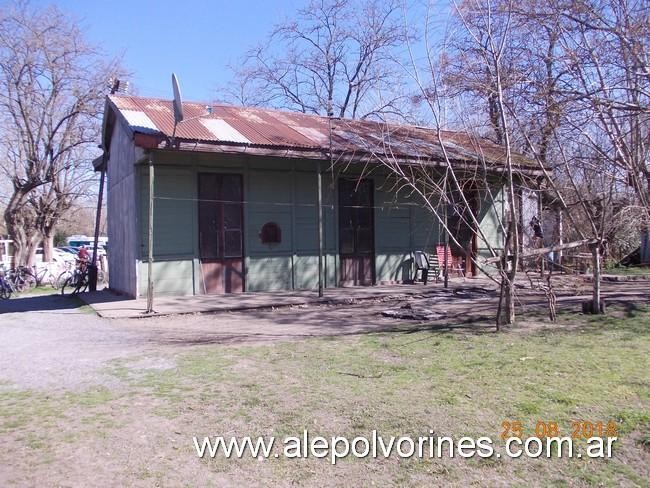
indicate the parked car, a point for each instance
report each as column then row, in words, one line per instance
column 58, row 255
column 73, row 251
column 62, row 255
column 69, row 249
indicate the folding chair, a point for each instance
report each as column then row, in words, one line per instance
column 440, row 254
column 434, row 266
column 422, row 265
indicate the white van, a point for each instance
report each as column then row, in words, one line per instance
column 89, row 242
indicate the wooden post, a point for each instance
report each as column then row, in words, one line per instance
column 150, row 246
column 595, row 252
column 445, row 259
column 560, row 233
column 92, row 271
column 540, row 209
column 320, row 231
column 321, row 280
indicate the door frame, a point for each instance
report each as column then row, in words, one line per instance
column 372, row 255
column 223, row 260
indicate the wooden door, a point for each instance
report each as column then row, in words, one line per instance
column 221, row 233
column 461, row 226
column 356, row 232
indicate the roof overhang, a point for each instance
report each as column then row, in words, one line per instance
column 150, row 124
column 344, row 157
column 99, row 163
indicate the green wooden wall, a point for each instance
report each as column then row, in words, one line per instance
column 275, row 190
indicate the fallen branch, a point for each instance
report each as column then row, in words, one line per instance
column 360, row 375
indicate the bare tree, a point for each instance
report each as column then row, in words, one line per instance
column 336, row 57
column 51, row 93
column 574, row 85
column 488, row 44
column 52, row 200
column 565, row 83
column 512, row 60
column 606, row 46
column 459, row 191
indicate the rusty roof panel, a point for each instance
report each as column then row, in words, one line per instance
column 271, row 128
column 254, row 126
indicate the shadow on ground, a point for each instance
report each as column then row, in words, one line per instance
column 303, row 322
column 464, row 310
column 40, row 303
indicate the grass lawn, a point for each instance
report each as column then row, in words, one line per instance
column 454, row 382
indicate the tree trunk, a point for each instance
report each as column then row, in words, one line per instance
column 19, row 252
column 510, row 302
column 560, row 238
column 32, row 245
column 48, row 245
column 506, row 310
column 25, row 244
column 17, row 234
column 19, row 226
column 24, row 249
column 596, row 300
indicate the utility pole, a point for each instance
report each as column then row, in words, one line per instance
column 92, row 270
column 320, row 230
column 150, row 246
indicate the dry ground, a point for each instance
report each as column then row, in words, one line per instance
column 90, row 402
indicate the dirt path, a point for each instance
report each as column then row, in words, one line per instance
column 58, row 345
column 49, row 342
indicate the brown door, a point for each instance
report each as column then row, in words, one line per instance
column 356, row 232
column 221, row 236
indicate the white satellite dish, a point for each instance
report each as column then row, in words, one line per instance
column 178, row 106
column 178, row 101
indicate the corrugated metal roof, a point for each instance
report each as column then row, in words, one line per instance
column 246, row 126
column 139, row 120
column 224, row 131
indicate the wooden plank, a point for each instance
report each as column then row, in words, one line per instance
column 533, row 253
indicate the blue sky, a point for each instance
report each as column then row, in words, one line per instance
column 196, row 39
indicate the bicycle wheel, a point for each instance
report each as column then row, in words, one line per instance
column 82, row 285
column 51, row 280
column 69, row 286
column 5, row 290
column 30, row 281
column 19, row 284
column 60, row 280
column 25, row 277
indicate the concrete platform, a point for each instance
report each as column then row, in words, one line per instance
column 110, row 305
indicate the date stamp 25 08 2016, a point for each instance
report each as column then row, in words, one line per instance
column 579, row 429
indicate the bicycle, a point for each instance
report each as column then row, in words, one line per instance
column 6, row 288
column 44, row 276
column 60, row 280
column 21, row 278
column 78, row 282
